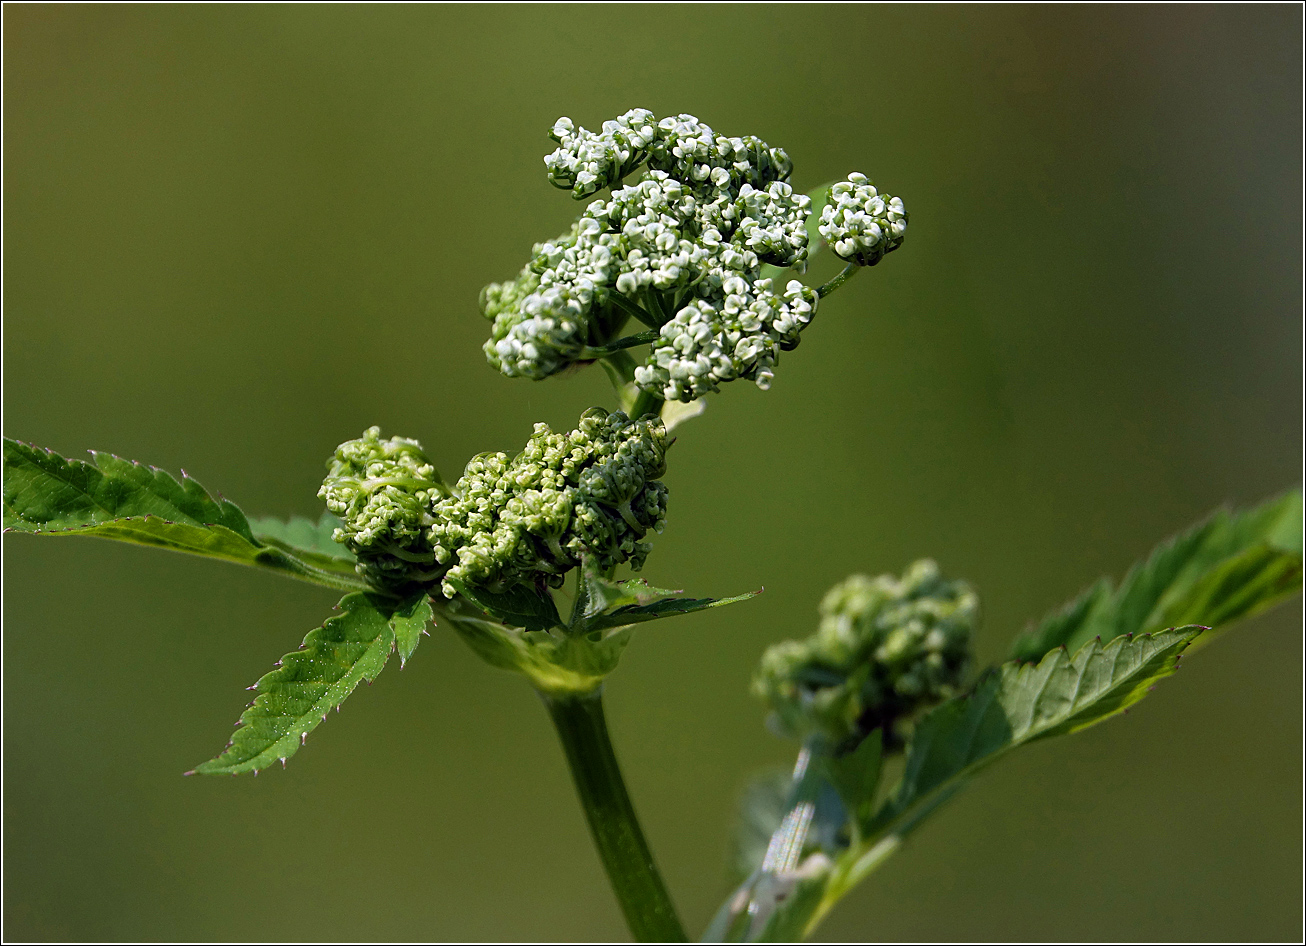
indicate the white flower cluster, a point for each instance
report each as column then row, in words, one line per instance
column 685, row 243
column 861, row 224
column 683, row 147
column 543, row 318
column 736, row 332
column 587, row 162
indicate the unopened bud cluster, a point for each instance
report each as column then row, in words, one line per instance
column 526, row 520
column 684, row 243
column 859, row 223
column 593, row 491
column 886, row 648
column 384, row 491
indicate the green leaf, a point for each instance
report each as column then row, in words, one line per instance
column 46, row 494
column 409, row 624
column 1229, row 567
column 661, row 608
column 1024, row 701
column 527, row 636
column 519, row 606
column 293, row 699
column 856, row 775
column 597, row 594
column 602, row 603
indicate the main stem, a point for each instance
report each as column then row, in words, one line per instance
column 583, row 731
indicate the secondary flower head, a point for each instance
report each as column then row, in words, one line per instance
column 886, row 648
column 681, row 247
column 383, row 490
column 590, row 492
column 859, row 223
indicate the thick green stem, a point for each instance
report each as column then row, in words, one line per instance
column 646, row 403
column 643, row 897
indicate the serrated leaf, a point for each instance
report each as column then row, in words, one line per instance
column 44, row 492
column 602, row 595
column 1229, row 567
column 1023, row 701
column 519, row 606
column 408, row 623
column 296, row 697
column 112, row 498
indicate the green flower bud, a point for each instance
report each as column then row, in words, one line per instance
column 860, row 224
column 885, row 650
column 529, row 520
column 384, row 491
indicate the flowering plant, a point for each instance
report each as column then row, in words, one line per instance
column 696, row 241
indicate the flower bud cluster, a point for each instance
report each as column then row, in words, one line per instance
column 886, row 648
column 590, row 492
column 685, row 243
column 593, row 491
column 384, row 491
column 860, row 224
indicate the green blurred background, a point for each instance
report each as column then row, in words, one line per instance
column 236, row 236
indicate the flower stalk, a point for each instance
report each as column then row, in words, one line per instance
column 626, row 857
